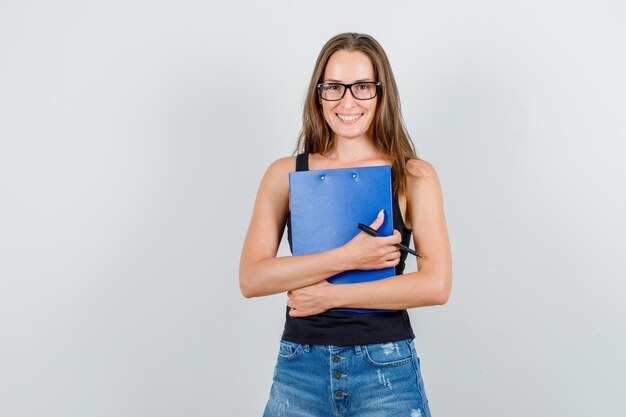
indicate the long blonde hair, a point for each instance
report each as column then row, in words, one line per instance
column 389, row 132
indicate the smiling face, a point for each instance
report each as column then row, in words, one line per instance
column 349, row 118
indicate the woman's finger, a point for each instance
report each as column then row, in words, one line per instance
column 395, row 238
column 378, row 221
column 392, row 262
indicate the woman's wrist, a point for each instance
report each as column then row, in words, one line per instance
column 341, row 259
column 336, row 296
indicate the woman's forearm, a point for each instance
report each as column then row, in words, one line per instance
column 279, row 274
column 265, row 274
column 416, row 289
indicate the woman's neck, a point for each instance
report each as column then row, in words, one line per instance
column 349, row 153
column 352, row 150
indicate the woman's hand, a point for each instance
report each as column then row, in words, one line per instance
column 369, row 252
column 311, row 300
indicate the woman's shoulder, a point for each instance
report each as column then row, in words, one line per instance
column 285, row 164
column 418, row 168
column 421, row 179
column 277, row 172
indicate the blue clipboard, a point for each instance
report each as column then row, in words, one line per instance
column 327, row 206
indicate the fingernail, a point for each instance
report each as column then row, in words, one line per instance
column 380, row 213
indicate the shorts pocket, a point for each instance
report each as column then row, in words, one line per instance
column 289, row 350
column 389, row 354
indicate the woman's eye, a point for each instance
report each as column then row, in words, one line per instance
column 362, row 86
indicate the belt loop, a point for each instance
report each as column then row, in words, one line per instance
column 357, row 349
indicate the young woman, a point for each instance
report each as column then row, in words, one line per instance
column 340, row 362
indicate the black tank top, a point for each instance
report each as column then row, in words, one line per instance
column 343, row 328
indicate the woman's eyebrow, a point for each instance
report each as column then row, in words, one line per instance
column 341, row 82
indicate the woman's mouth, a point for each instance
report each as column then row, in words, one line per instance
column 349, row 118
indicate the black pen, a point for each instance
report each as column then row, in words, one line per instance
column 373, row 232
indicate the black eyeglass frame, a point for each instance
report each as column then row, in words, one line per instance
column 347, row 87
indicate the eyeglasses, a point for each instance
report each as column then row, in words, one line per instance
column 361, row 91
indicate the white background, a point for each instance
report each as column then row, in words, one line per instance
column 134, row 134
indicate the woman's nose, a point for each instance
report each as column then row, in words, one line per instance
column 348, row 101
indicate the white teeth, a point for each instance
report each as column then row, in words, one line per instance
column 348, row 118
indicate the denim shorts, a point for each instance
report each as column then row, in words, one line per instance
column 376, row 380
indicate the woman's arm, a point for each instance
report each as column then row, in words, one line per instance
column 430, row 285
column 262, row 273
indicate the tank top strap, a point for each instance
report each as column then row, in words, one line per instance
column 302, row 162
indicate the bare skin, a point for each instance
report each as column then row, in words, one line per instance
column 261, row 272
